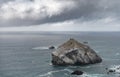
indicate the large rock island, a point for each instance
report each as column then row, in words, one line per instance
column 74, row 53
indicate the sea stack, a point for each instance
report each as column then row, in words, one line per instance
column 74, row 53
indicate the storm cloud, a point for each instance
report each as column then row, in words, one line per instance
column 37, row 12
column 29, row 12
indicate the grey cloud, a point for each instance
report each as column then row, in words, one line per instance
column 86, row 10
column 4, row 1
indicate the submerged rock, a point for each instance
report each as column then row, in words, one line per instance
column 77, row 72
column 74, row 53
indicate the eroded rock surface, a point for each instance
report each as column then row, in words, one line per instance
column 74, row 53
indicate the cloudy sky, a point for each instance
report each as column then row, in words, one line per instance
column 59, row 15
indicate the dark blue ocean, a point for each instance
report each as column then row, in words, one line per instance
column 26, row 54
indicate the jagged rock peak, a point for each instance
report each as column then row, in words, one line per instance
column 72, row 43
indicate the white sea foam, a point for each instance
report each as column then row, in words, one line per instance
column 50, row 64
column 89, row 75
column 48, row 74
column 40, row 48
column 116, row 68
column 92, row 75
column 117, row 54
column 97, row 51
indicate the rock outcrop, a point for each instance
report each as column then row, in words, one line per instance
column 51, row 47
column 74, row 53
column 77, row 72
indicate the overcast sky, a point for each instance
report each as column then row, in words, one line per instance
column 59, row 15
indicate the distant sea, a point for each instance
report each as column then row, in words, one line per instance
column 26, row 54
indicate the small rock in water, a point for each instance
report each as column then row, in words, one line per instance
column 111, row 70
column 85, row 42
column 106, row 68
column 51, row 47
column 77, row 72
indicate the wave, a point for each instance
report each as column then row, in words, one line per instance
column 110, row 59
column 75, row 67
column 50, row 64
column 97, row 51
column 48, row 74
column 40, row 48
column 117, row 54
column 116, row 68
column 92, row 75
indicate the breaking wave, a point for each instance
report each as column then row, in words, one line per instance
column 116, row 68
column 92, row 75
column 40, row 48
column 68, row 74
column 49, row 74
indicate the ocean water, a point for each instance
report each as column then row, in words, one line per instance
column 26, row 54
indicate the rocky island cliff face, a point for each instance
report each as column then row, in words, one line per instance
column 74, row 53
